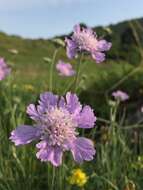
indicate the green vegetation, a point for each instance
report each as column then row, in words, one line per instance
column 118, row 137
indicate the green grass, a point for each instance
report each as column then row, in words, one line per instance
column 117, row 137
column 116, row 144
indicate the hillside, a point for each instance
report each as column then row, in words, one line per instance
column 124, row 36
column 29, row 61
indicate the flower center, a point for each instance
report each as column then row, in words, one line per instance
column 85, row 41
column 60, row 127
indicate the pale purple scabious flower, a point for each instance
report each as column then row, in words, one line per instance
column 4, row 69
column 56, row 122
column 65, row 69
column 122, row 96
column 85, row 39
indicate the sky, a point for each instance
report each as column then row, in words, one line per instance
column 47, row 18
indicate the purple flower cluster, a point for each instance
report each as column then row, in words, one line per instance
column 4, row 69
column 56, row 122
column 85, row 39
column 65, row 69
column 120, row 95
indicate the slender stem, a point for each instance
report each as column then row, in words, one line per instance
column 51, row 70
column 49, row 173
column 124, row 79
column 132, row 127
column 68, row 86
column 103, row 120
column 106, row 180
column 53, row 178
column 78, row 72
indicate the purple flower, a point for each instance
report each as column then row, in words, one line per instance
column 85, row 39
column 122, row 96
column 4, row 69
column 56, row 122
column 65, row 69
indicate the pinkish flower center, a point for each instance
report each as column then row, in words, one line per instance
column 61, row 127
column 85, row 41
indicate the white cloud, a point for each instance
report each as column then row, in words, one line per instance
column 22, row 4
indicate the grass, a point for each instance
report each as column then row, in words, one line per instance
column 118, row 147
column 118, row 164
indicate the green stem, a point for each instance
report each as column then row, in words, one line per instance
column 136, row 126
column 106, row 180
column 103, row 120
column 51, row 70
column 70, row 84
column 53, row 178
column 78, row 72
column 123, row 79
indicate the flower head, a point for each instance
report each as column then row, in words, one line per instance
column 85, row 39
column 78, row 178
column 65, row 69
column 120, row 95
column 56, row 122
column 4, row 69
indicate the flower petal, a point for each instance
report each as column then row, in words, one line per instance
column 82, row 149
column 71, row 48
column 98, row 56
column 86, row 118
column 4, row 69
column 48, row 100
column 62, row 102
column 49, row 153
column 73, row 104
column 32, row 112
column 77, row 28
column 103, row 45
column 64, row 69
column 25, row 134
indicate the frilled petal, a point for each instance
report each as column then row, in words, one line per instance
column 86, row 118
column 98, row 56
column 90, row 32
column 25, row 134
column 48, row 100
column 49, row 153
column 73, row 104
column 71, row 48
column 32, row 112
column 82, row 149
column 62, row 102
column 103, row 45
column 77, row 28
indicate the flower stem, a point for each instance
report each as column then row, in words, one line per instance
column 132, row 72
column 78, row 72
column 51, row 70
column 53, row 178
column 106, row 180
column 70, row 84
